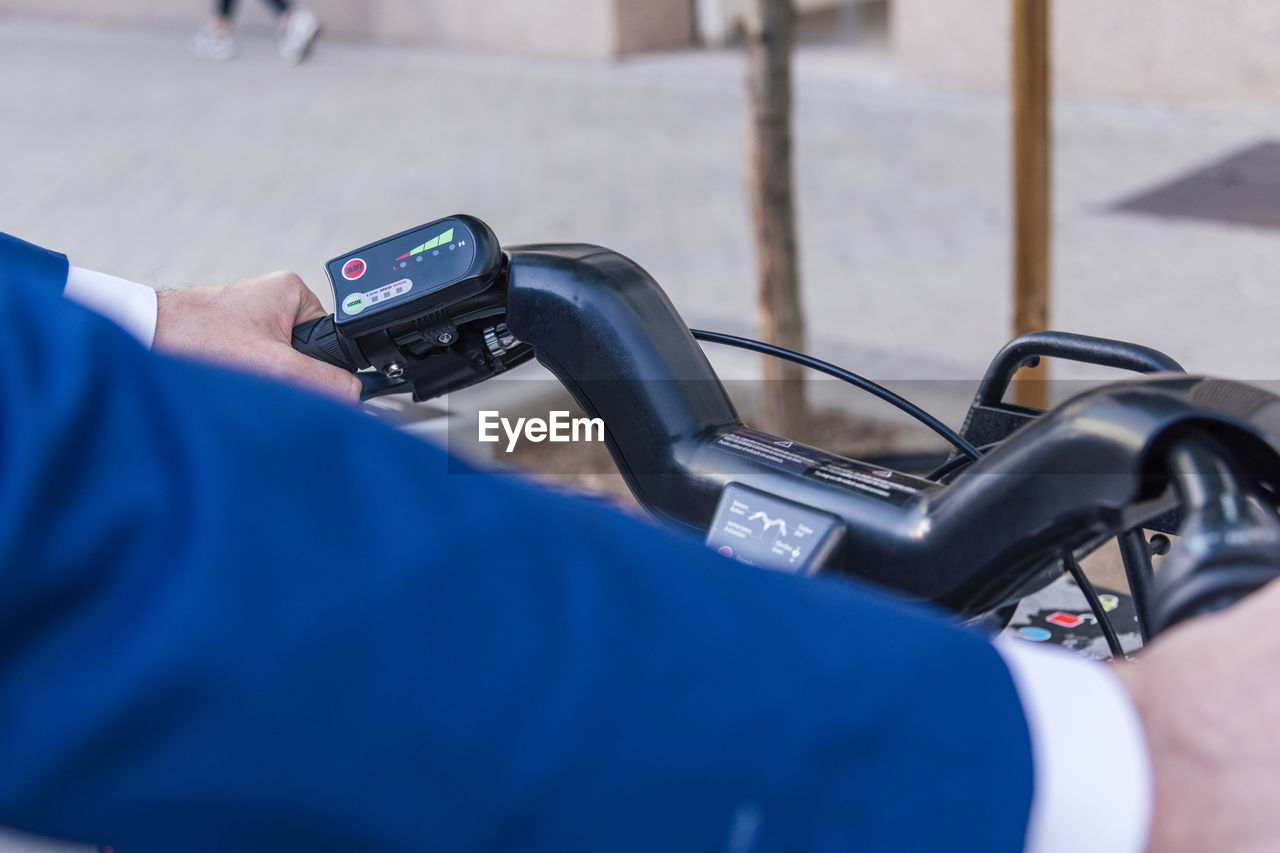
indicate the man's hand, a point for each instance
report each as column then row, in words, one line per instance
column 1208, row 693
column 248, row 324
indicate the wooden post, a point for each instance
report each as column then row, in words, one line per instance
column 778, row 309
column 1032, row 215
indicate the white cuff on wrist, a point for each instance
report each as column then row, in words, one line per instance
column 1092, row 769
column 130, row 305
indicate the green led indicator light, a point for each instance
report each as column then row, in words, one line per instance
column 433, row 242
column 442, row 240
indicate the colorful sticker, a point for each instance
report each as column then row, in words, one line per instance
column 357, row 302
column 1066, row 620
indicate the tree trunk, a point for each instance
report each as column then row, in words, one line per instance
column 1032, row 175
column 778, row 295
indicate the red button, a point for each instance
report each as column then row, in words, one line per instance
column 1066, row 620
column 353, row 269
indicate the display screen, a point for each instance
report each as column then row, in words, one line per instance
column 401, row 268
column 764, row 530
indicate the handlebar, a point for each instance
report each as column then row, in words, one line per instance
column 1094, row 467
column 319, row 339
column 1230, row 542
column 1028, row 349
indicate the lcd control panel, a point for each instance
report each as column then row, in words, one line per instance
column 380, row 279
column 763, row 530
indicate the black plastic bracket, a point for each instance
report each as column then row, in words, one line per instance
column 990, row 419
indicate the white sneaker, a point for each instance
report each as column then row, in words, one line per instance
column 215, row 44
column 299, row 32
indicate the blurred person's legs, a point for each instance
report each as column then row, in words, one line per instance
column 298, row 30
column 214, row 40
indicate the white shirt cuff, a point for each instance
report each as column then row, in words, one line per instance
column 129, row 305
column 1092, row 770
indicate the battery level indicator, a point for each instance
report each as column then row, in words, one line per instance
column 441, row 240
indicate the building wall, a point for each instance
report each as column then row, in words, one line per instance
column 1226, row 51
column 719, row 21
column 591, row 28
column 653, row 24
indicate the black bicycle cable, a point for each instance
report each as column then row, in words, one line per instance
column 956, row 464
column 873, row 388
column 949, row 467
column 1095, row 603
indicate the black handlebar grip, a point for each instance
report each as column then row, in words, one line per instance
column 319, row 339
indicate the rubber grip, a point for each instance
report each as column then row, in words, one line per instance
column 319, row 339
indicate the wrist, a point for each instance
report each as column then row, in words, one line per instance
column 1207, row 790
column 1130, row 677
column 182, row 319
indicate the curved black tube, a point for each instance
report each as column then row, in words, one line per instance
column 1027, row 349
column 1081, row 473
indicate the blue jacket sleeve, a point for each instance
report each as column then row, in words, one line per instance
column 234, row 616
column 24, row 265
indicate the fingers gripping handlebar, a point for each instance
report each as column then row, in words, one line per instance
column 319, row 339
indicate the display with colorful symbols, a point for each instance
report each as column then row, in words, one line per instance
column 403, row 273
